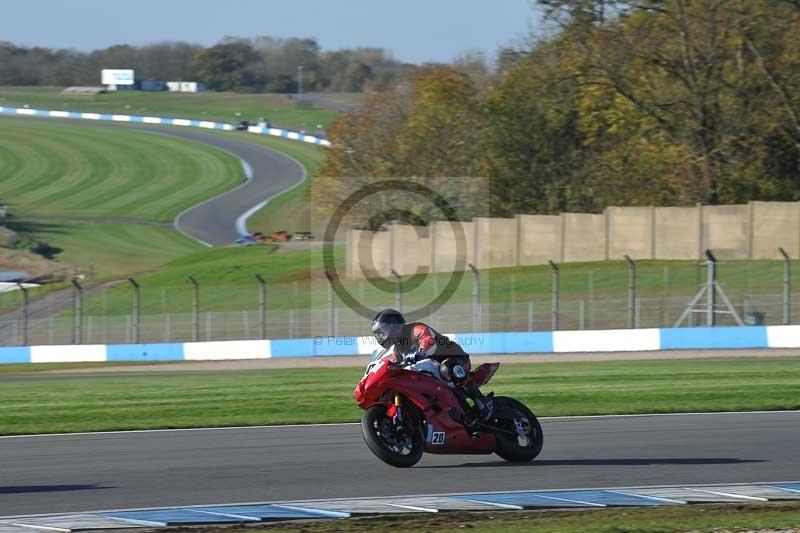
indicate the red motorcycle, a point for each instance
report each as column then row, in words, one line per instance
column 408, row 412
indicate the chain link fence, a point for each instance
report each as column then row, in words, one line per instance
column 653, row 296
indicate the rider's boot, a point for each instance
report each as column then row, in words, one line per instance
column 484, row 405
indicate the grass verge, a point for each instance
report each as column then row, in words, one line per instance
column 108, row 250
column 695, row 518
column 69, row 403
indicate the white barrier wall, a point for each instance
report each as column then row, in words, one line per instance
column 619, row 340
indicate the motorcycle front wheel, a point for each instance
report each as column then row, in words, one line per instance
column 510, row 414
column 397, row 448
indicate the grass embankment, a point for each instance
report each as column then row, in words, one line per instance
column 101, row 402
column 61, row 169
column 695, row 518
column 78, row 187
column 279, row 110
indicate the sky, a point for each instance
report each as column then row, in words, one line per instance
column 413, row 30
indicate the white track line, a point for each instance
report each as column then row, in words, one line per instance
column 241, row 222
column 344, row 424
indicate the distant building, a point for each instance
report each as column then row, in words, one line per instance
column 132, row 87
column 84, row 90
column 186, row 86
column 152, row 85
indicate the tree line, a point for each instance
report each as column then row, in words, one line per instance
column 261, row 64
column 650, row 102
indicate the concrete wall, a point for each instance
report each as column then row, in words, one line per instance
column 368, row 254
column 447, row 245
column 726, row 230
column 677, row 232
column 583, row 237
column 755, row 230
column 539, row 238
column 412, row 249
column 495, row 242
column 630, row 231
column 775, row 224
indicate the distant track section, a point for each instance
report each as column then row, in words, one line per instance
column 163, row 121
column 222, row 219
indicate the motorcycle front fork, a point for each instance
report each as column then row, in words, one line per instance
column 398, row 416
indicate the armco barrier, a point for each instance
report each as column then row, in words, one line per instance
column 623, row 340
column 275, row 132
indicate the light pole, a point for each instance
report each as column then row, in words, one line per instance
column 300, row 79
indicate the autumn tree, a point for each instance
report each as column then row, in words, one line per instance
column 429, row 129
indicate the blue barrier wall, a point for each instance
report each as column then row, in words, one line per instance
column 145, row 352
column 15, row 354
column 721, row 337
column 475, row 343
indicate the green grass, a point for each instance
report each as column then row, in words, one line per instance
column 52, row 172
column 110, row 250
column 224, row 107
column 227, row 280
column 680, row 518
column 58, row 169
column 141, row 401
column 27, row 368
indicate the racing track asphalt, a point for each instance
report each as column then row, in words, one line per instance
column 271, row 173
column 83, row 472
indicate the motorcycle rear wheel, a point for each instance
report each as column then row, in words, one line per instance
column 508, row 447
column 396, row 449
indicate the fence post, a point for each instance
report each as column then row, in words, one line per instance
column 262, row 305
column 77, row 302
column 331, row 311
column 530, row 316
column 195, row 308
column 137, row 309
column 590, row 303
column 476, row 299
column 711, row 264
column 631, row 292
column 554, row 304
column 398, row 292
column 24, row 314
column 787, row 287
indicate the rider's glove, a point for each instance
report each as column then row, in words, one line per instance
column 411, row 357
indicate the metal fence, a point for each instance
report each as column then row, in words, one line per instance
column 130, row 313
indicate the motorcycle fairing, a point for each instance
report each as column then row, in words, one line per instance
column 433, row 398
column 481, row 375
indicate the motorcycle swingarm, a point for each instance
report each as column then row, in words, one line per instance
column 495, row 429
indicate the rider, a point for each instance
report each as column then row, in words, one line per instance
column 415, row 342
